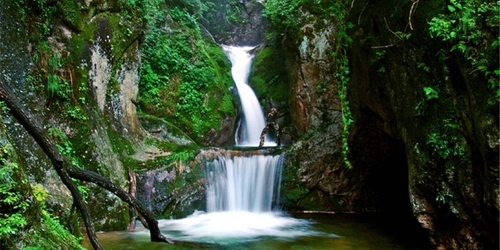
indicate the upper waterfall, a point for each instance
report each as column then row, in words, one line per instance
column 252, row 120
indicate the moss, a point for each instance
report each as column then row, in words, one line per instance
column 50, row 235
column 171, row 134
column 269, row 77
column 220, row 97
column 291, row 189
column 119, row 144
column 123, row 35
column 70, row 13
column 184, row 78
column 133, row 163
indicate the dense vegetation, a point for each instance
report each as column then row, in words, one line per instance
column 25, row 221
column 185, row 79
column 179, row 71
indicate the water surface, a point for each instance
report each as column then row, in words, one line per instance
column 271, row 231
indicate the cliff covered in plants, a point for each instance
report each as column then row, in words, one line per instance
column 80, row 66
column 385, row 107
column 408, row 92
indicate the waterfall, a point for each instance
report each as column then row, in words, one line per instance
column 242, row 188
column 243, row 183
column 252, row 120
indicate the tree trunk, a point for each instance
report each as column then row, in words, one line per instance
column 132, row 191
column 85, row 175
column 66, row 170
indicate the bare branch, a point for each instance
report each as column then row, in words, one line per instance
column 400, row 38
column 66, row 170
column 31, row 125
column 412, row 11
column 382, row 46
column 363, row 10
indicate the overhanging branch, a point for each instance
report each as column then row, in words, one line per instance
column 66, row 170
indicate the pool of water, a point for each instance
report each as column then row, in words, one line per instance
column 273, row 231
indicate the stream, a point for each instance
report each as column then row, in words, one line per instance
column 243, row 201
column 314, row 231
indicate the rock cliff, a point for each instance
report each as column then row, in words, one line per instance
column 425, row 133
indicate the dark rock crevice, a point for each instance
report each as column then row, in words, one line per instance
column 450, row 169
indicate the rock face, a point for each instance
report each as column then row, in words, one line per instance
column 235, row 22
column 424, row 139
column 452, row 167
column 435, row 156
column 98, row 119
column 316, row 177
column 172, row 189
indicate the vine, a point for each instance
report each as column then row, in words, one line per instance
column 342, row 73
column 285, row 16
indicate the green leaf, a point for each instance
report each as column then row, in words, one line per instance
column 451, row 8
column 430, row 93
column 495, row 44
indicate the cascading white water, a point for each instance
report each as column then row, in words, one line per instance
column 243, row 183
column 242, row 191
column 252, row 120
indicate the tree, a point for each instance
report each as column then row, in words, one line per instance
column 66, row 171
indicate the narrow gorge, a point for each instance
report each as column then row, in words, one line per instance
column 387, row 116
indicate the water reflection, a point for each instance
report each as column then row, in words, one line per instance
column 271, row 231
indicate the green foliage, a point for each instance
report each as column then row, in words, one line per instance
column 50, row 65
column 226, row 13
column 195, row 7
column 69, row 11
column 284, row 16
column 182, row 78
column 77, row 113
column 19, row 202
column 471, row 28
column 342, row 73
column 447, row 143
column 12, row 202
column 52, row 235
column 146, row 11
column 269, row 76
column 182, row 156
column 62, row 142
column 64, row 145
column 3, row 107
column 40, row 194
column 430, row 93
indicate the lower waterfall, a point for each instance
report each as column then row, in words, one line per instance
column 243, row 183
